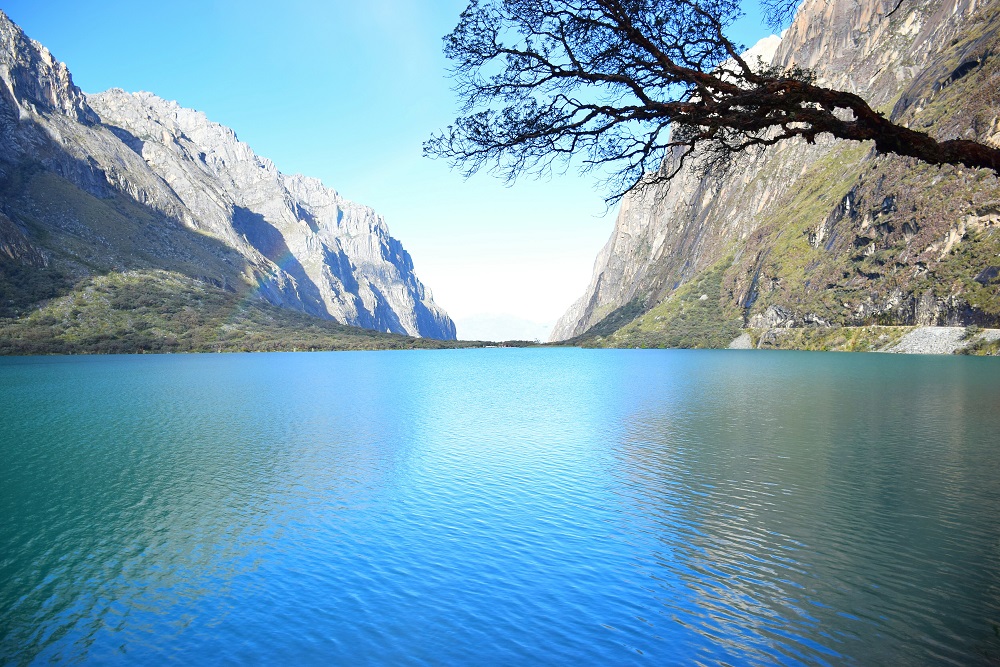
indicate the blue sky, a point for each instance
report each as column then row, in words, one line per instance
column 347, row 92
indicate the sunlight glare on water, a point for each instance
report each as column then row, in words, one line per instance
column 539, row 506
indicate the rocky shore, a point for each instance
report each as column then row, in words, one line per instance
column 943, row 340
column 896, row 340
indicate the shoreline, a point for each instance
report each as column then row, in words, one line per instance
column 886, row 339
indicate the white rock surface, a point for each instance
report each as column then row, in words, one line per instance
column 939, row 340
column 742, row 342
column 306, row 247
column 338, row 256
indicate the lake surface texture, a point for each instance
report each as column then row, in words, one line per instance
column 501, row 507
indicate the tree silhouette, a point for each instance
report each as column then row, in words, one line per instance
column 622, row 83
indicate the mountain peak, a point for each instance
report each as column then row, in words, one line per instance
column 35, row 81
column 289, row 239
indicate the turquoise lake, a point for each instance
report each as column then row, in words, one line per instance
column 500, row 507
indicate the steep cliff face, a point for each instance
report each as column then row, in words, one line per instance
column 34, row 81
column 337, row 255
column 118, row 180
column 827, row 233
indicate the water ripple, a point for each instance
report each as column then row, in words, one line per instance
column 500, row 507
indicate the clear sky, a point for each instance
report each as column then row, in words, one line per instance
column 347, row 91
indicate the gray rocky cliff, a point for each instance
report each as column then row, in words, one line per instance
column 829, row 233
column 328, row 256
column 665, row 233
column 288, row 239
column 35, row 82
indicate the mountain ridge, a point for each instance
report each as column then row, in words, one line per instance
column 187, row 196
column 829, row 234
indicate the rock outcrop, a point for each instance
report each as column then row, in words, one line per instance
column 187, row 196
column 829, row 234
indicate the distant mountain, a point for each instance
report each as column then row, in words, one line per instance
column 118, row 182
column 809, row 237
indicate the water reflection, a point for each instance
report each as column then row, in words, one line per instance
column 500, row 507
column 826, row 519
column 124, row 481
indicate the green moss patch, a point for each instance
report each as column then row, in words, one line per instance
column 829, row 339
column 696, row 315
column 160, row 311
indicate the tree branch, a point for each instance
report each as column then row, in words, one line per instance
column 544, row 80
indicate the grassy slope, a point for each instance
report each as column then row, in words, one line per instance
column 829, row 339
column 788, row 268
column 684, row 319
column 874, row 262
column 816, row 279
column 981, row 348
column 122, row 278
column 160, row 311
column 95, row 235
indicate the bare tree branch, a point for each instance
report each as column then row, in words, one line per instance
column 623, row 83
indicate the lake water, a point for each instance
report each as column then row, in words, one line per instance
column 500, row 507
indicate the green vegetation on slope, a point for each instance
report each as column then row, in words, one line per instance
column 696, row 315
column 159, row 311
column 22, row 285
column 616, row 319
column 793, row 272
column 982, row 348
column 860, row 240
column 972, row 269
column 86, row 234
column 829, row 339
column 123, row 278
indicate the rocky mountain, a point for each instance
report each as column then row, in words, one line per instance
column 830, row 234
column 118, row 182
